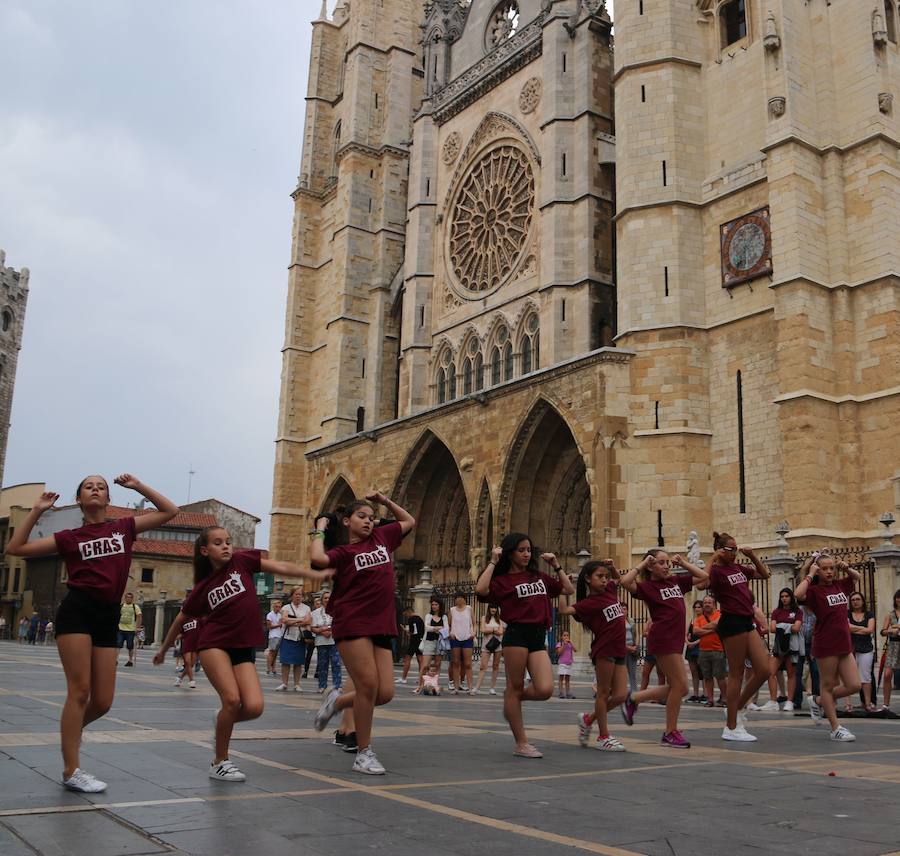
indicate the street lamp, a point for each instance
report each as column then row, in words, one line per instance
column 781, row 530
column 887, row 521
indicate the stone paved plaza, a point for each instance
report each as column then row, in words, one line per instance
column 453, row 786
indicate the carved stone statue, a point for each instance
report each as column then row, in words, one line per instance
column 879, row 30
column 771, row 40
column 693, row 550
column 885, row 102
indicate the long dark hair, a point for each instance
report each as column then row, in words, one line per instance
column 202, row 565
column 794, row 606
column 508, row 546
column 435, row 599
column 582, row 586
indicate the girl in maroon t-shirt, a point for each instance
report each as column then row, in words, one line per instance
column 728, row 584
column 97, row 556
column 512, row 581
column 224, row 596
column 364, row 614
column 598, row 608
column 190, row 638
column 664, row 594
column 829, row 599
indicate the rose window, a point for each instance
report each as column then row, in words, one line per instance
column 490, row 219
column 504, row 23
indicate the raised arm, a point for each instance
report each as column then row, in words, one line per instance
column 165, row 508
column 629, row 580
column 701, row 577
column 550, row 559
column 401, row 515
column 289, row 569
column 483, row 586
column 850, row 572
column 762, row 570
column 18, row 545
column 803, row 585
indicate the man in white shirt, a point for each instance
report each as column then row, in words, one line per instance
column 275, row 628
column 326, row 651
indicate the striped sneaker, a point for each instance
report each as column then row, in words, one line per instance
column 225, row 771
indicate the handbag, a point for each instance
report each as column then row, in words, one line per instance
column 492, row 645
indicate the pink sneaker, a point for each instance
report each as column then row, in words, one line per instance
column 675, row 740
column 526, row 750
column 629, row 709
column 584, row 729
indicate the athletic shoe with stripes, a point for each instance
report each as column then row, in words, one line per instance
column 675, row 740
column 367, row 762
column 225, row 771
column 327, row 710
column 815, row 710
column 842, row 735
column 609, row 744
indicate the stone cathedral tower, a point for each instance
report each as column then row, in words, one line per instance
column 758, row 226
column 13, row 300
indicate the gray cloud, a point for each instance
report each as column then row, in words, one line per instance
column 147, row 153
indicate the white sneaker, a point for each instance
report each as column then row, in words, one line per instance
column 281, row 688
column 739, row 734
column 815, row 709
column 753, row 706
column 609, row 744
column 770, row 706
column 84, row 782
column 452, row 685
column 298, row 688
column 367, row 762
column 226, row 772
column 474, row 692
column 492, row 691
column 178, row 682
column 584, row 729
column 327, row 710
column 192, row 685
column 842, row 735
column 788, row 707
column 399, row 680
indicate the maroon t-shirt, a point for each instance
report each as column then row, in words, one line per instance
column 226, row 599
column 665, row 600
column 363, row 601
column 603, row 614
column 831, row 634
column 98, row 557
column 728, row 585
column 780, row 615
column 523, row 598
column 190, row 635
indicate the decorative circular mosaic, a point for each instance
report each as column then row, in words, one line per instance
column 451, row 148
column 530, row 96
column 748, row 243
column 490, row 219
column 503, row 23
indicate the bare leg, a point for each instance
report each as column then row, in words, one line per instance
column 672, row 667
column 467, row 666
column 372, row 671
column 830, row 670
column 90, row 684
column 887, row 685
column 541, row 686
column 239, row 693
column 189, row 658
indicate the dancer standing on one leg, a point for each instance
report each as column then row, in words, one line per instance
column 224, row 595
column 664, row 594
column 364, row 613
column 728, row 585
column 598, row 608
column 97, row 557
column 829, row 599
column 511, row 580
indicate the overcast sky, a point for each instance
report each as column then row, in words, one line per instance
column 147, row 153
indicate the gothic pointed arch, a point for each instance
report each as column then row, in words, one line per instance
column 483, row 533
column 339, row 493
column 545, row 490
column 429, row 484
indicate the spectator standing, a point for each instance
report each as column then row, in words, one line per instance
column 785, row 623
column 309, row 640
column 326, row 651
column 804, row 658
column 295, row 616
column 130, row 620
column 862, row 629
column 891, row 631
column 462, row 642
column 632, row 647
column 435, row 622
column 3, row 627
column 712, row 661
column 415, row 633
column 565, row 658
column 275, row 628
column 491, row 646
column 692, row 652
column 34, row 625
column 23, row 630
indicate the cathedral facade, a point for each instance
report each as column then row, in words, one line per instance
column 604, row 294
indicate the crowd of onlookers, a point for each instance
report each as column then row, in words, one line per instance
column 28, row 631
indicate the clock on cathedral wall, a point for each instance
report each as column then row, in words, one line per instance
column 746, row 247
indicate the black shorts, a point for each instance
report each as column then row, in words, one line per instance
column 80, row 613
column 734, row 625
column 236, row 655
column 379, row 640
column 126, row 637
column 617, row 661
column 413, row 648
column 530, row 636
